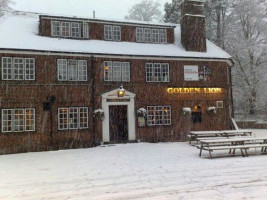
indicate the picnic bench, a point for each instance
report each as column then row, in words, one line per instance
column 195, row 135
column 231, row 144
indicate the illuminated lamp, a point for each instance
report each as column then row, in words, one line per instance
column 121, row 91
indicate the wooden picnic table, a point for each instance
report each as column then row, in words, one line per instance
column 232, row 144
column 224, row 133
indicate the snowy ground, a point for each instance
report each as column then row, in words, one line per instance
column 132, row 171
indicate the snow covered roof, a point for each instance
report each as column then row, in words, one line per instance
column 21, row 33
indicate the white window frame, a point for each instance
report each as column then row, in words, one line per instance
column 147, row 35
column 67, row 126
column 154, row 76
column 139, row 34
column 65, row 25
column 71, row 69
column 86, row 30
column 24, row 120
column 123, row 75
column 155, row 36
column 24, row 67
column 163, row 36
column 58, row 33
column 116, row 33
column 75, row 30
column 108, row 32
column 112, row 32
column 156, row 115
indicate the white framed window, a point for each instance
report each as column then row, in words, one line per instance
column 75, row 30
column 82, row 70
column 72, row 118
column 65, row 29
column 83, row 116
column 29, row 69
column 116, row 71
column 155, row 36
column 147, row 35
column 219, row 104
column 157, row 72
column 162, row 35
column 112, row 32
column 56, row 28
column 139, row 34
column 85, row 30
column 18, row 68
column 108, row 32
column 151, row 35
column 7, row 68
column 117, row 33
column 18, row 120
column 158, row 115
column 62, row 70
column 71, row 70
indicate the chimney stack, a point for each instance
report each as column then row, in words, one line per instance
column 193, row 26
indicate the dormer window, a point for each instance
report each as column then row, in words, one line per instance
column 70, row 29
column 149, row 35
column 112, row 32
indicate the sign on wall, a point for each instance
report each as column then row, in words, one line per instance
column 191, row 73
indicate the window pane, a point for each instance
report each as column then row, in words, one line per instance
column 29, row 119
column 85, row 30
column 150, row 115
column 139, row 34
column 82, row 70
column 73, row 118
column 18, row 64
column 159, row 115
column 62, row 69
column 116, row 33
column 7, row 68
column 62, row 118
column 116, row 71
column 108, row 71
column 65, row 29
column 75, row 30
column 167, row 115
column 163, row 36
column 157, row 72
column 55, row 28
column 165, row 72
column 29, row 69
column 125, row 71
column 149, row 72
column 108, row 32
column 155, row 35
column 72, row 70
column 83, row 113
column 6, row 120
column 18, row 123
column 147, row 35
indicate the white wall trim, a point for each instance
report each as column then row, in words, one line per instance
column 130, row 113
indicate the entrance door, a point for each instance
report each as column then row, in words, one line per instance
column 118, row 124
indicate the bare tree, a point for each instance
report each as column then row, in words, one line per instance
column 146, row 10
column 247, row 42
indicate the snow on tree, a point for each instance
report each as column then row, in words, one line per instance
column 172, row 12
column 4, row 6
column 247, row 42
column 146, row 10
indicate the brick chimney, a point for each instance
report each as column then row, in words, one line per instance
column 193, row 30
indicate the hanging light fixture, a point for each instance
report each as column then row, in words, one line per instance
column 121, row 91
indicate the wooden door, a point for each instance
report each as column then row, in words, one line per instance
column 118, row 124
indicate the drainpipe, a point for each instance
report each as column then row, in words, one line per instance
column 93, row 99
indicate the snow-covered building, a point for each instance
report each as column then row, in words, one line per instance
column 69, row 82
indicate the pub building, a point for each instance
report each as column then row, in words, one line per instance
column 69, row 82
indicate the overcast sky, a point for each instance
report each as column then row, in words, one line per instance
column 115, row 9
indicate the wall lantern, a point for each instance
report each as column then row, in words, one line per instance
column 121, row 91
